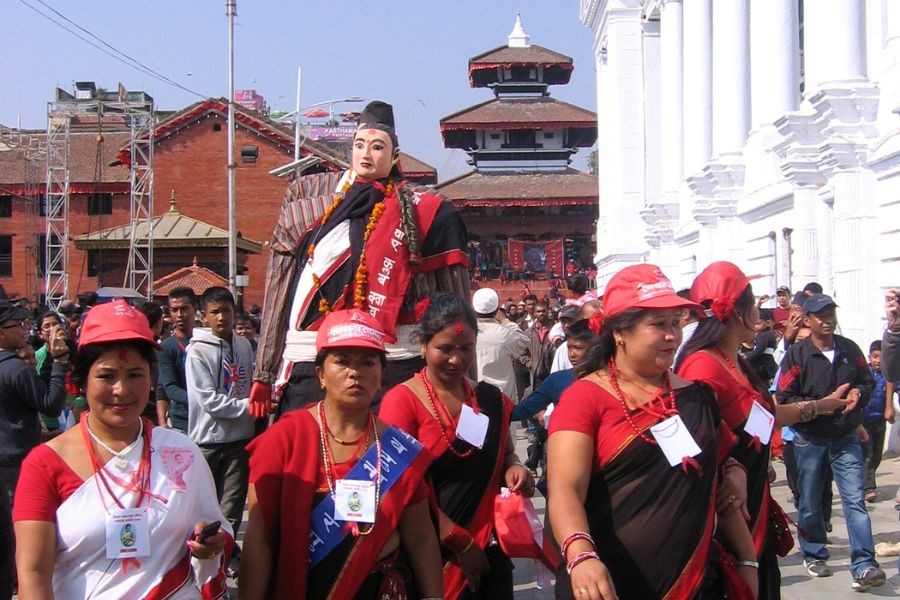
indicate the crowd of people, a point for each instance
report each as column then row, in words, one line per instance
column 364, row 421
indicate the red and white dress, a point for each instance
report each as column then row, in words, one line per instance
column 182, row 493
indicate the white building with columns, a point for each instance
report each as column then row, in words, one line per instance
column 765, row 132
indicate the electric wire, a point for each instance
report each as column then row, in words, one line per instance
column 112, row 52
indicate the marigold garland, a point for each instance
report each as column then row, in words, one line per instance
column 361, row 278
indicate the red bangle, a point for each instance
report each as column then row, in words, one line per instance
column 578, row 535
column 458, row 540
column 580, row 558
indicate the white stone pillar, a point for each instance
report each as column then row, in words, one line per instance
column 775, row 59
column 804, row 239
column 834, row 43
column 731, row 75
column 697, row 85
column 620, row 97
column 672, row 94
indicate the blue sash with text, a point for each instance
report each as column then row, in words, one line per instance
column 398, row 450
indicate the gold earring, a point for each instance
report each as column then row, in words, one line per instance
column 620, row 342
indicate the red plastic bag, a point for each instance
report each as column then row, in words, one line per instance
column 519, row 530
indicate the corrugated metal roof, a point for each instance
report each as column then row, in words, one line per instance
column 171, row 229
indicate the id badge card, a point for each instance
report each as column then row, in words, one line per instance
column 127, row 533
column 760, row 423
column 354, row 500
column 674, row 440
column 472, row 426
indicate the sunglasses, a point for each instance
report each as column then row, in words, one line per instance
column 11, row 325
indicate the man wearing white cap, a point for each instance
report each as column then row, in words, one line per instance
column 500, row 342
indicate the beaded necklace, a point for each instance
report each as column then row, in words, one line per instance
column 665, row 392
column 120, row 458
column 431, row 393
column 328, row 461
column 361, row 277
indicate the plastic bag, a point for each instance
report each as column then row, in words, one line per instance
column 519, row 530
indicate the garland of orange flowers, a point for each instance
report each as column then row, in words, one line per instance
column 361, row 278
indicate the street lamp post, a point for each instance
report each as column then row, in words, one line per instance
column 280, row 171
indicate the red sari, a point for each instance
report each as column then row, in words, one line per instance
column 652, row 523
column 465, row 488
column 285, row 467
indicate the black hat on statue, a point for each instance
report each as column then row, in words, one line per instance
column 379, row 115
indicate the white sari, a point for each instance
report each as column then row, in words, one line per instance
column 183, row 493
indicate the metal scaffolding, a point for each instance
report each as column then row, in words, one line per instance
column 56, row 199
column 139, row 116
column 140, row 249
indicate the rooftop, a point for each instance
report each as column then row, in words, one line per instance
column 171, row 229
column 195, row 277
column 476, row 188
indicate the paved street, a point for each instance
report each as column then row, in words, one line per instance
column 796, row 584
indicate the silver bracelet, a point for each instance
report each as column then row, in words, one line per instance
column 747, row 563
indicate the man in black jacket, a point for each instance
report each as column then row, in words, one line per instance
column 23, row 394
column 821, row 365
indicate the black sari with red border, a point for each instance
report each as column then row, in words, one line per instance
column 466, row 487
column 652, row 522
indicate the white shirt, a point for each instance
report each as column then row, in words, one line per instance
column 498, row 345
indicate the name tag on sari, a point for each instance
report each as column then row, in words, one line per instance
column 760, row 423
column 127, row 534
column 674, row 439
column 354, row 500
column 472, row 426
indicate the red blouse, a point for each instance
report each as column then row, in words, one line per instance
column 50, row 482
column 587, row 408
column 734, row 392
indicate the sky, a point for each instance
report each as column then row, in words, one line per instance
column 410, row 53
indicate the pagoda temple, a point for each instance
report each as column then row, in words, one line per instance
column 530, row 215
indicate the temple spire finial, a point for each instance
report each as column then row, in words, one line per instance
column 172, row 202
column 518, row 38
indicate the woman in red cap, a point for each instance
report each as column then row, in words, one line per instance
column 711, row 356
column 114, row 508
column 337, row 502
column 634, row 456
column 465, row 426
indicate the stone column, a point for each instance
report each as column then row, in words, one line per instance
column 620, row 96
column 672, row 94
column 697, row 84
column 834, row 43
column 775, row 62
column 731, row 76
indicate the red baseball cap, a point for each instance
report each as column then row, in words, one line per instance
column 350, row 329
column 641, row 286
column 721, row 283
column 115, row 321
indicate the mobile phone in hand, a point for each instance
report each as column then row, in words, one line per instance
column 208, row 531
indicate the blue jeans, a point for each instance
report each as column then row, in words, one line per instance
column 845, row 455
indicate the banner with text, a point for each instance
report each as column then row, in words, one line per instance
column 536, row 257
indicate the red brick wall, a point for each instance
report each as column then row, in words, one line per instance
column 192, row 162
column 25, row 224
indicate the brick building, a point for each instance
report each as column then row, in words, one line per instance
column 190, row 155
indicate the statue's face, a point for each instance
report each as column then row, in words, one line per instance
column 373, row 154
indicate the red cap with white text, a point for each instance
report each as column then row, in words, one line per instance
column 113, row 322
column 350, row 329
column 641, row 286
